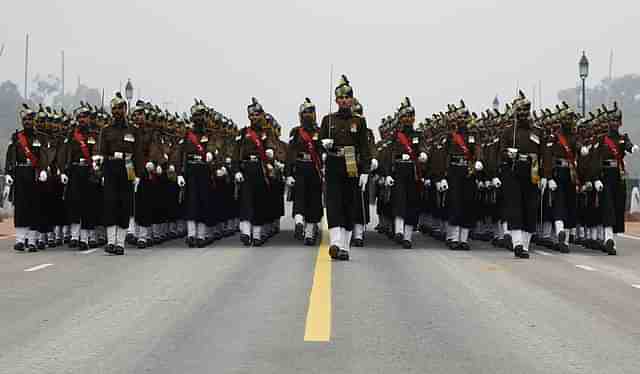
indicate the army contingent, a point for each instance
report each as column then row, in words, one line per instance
column 142, row 176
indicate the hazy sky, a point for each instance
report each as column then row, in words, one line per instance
column 224, row 52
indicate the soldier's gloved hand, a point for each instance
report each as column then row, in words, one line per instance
column 324, row 157
column 635, row 148
column 496, row 182
column 43, row 176
column 374, row 164
column 543, row 183
column 363, row 181
column 405, row 157
column 5, row 192
column 279, row 165
column 8, row 180
column 584, row 151
column 181, row 181
column 64, row 179
column 427, row 183
column 136, row 182
column 291, row 181
column 439, row 186
column 480, row 185
column 327, row 143
column 270, row 154
column 479, row 166
column 239, row 177
column 159, row 170
column 553, row 185
column 512, row 152
column 389, row 182
column 588, row 186
column 208, row 157
column 172, row 169
column 102, row 181
column 227, row 160
column 423, row 157
column 221, row 172
column 599, row 186
column 444, row 186
column 149, row 166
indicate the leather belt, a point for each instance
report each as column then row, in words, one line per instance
column 609, row 163
column 303, row 156
column 120, row 156
column 561, row 163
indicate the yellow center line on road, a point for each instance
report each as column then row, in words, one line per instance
column 318, row 324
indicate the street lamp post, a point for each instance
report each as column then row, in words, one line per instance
column 583, row 68
column 128, row 91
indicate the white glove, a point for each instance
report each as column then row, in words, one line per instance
column 635, row 148
column 159, row 170
column 363, row 181
column 97, row 159
column 553, row 185
column 279, row 165
column 221, row 172
column 584, row 151
column 444, row 186
column 102, row 181
column 8, row 180
column 291, row 181
column 208, row 157
column 599, row 186
column 136, row 182
column 43, row 176
column 588, row 186
column 327, row 143
column 269, row 153
column 479, row 166
column 172, row 169
column 374, row 164
column 324, row 157
column 181, row 181
column 427, row 183
column 227, row 160
column 389, row 182
column 64, row 179
column 480, row 185
column 405, row 157
column 496, row 182
column 543, row 183
column 239, row 177
column 5, row 192
column 512, row 152
column 422, row 157
column 149, row 166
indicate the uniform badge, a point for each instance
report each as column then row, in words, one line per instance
column 129, row 138
column 91, row 141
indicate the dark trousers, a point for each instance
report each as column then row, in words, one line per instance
column 196, row 193
column 520, row 198
column 118, row 194
column 342, row 194
column 404, row 194
column 613, row 199
column 81, row 197
column 308, row 192
column 254, row 194
column 461, row 197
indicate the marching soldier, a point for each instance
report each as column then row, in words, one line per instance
column 611, row 185
column 23, row 172
column 464, row 157
column 192, row 166
column 80, row 172
column 304, row 172
column 344, row 137
column 402, row 168
column 253, row 167
column 119, row 151
column 520, row 154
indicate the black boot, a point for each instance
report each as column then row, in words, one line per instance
column 333, row 252
column 357, row 243
column 110, row 249
column 610, row 247
column 464, row 246
column 73, row 243
column 343, row 255
column 191, row 242
column 142, row 244
column 245, row 239
column 406, row 244
column 309, row 242
column 19, row 247
column 298, row 233
column 119, row 251
column 83, row 246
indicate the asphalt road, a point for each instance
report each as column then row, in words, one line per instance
column 230, row 309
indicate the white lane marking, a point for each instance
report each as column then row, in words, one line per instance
column 636, row 286
column 88, row 251
column 543, row 253
column 38, row 267
column 585, row 267
column 629, row 236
